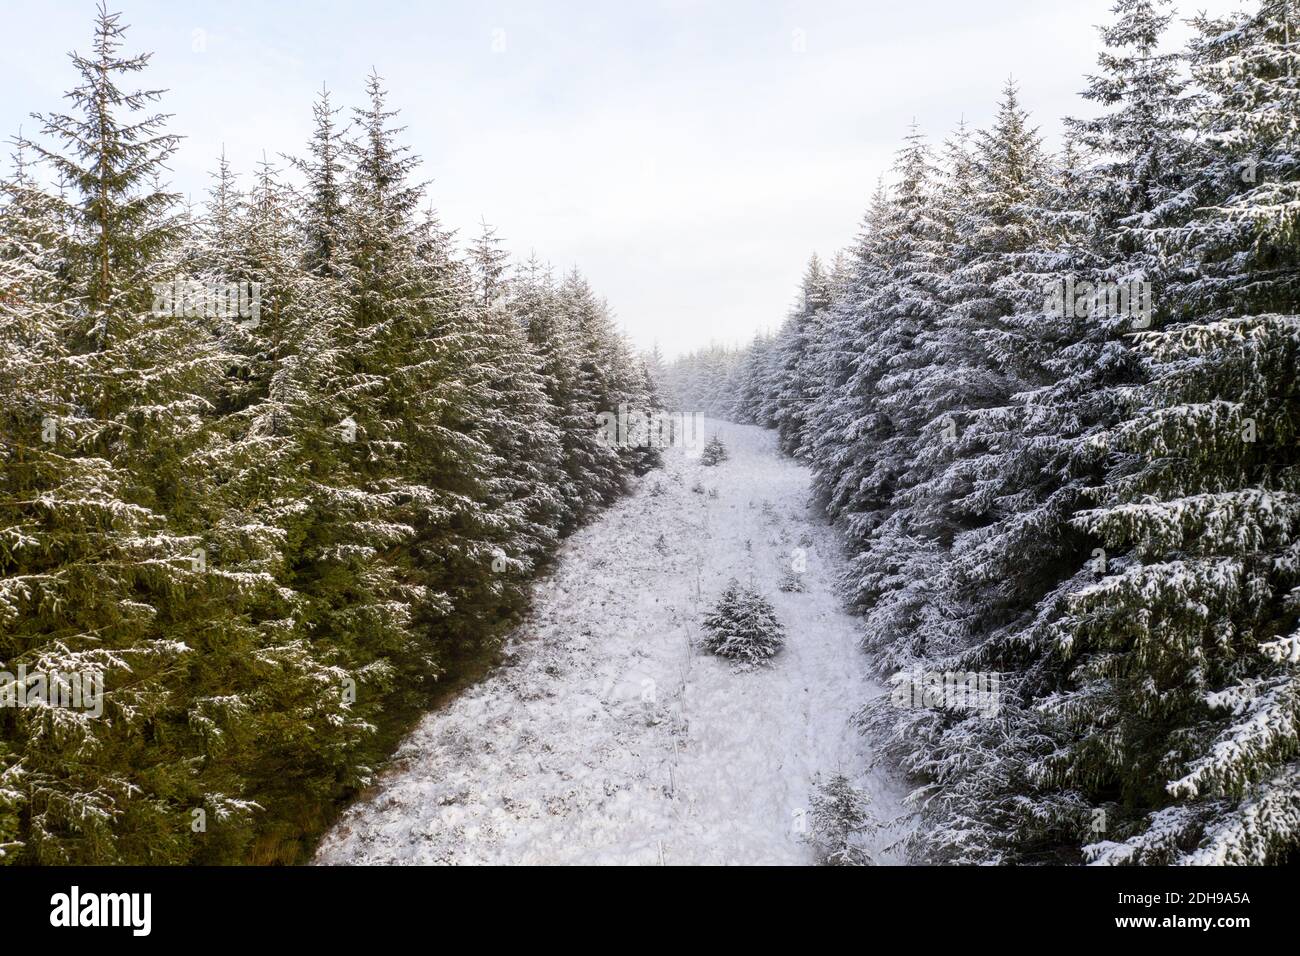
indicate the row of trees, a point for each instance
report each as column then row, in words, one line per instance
column 708, row 380
column 276, row 468
column 1098, row 502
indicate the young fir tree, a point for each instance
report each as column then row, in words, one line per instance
column 839, row 817
column 743, row 627
column 714, row 453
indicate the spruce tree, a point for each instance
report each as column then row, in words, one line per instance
column 743, row 627
column 325, row 172
column 795, row 342
column 101, row 497
column 1183, row 694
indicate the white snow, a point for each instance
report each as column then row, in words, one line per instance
column 605, row 739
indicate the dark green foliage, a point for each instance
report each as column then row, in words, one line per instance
column 277, row 535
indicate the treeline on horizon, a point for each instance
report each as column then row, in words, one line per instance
column 1100, row 506
column 279, row 468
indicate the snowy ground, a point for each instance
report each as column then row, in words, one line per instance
column 605, row 738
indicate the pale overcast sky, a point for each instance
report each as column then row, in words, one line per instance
column 687, row 156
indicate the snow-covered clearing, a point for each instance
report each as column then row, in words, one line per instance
column 605, row 738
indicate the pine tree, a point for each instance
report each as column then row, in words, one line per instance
column 743, row 627
column 104, row 515
column 589, row 464
column 714, row 453
column 273, row 706
column 32, row 323
column 1094, row 505
column 838, row 416
column 490, row 264
column 514, row 417
column 898, row 332
column 607, row 382
column 325, row 172
column 1183, row 696
column 413, row 534
column 795, row 340
column 839, row 816
column 269, row 466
